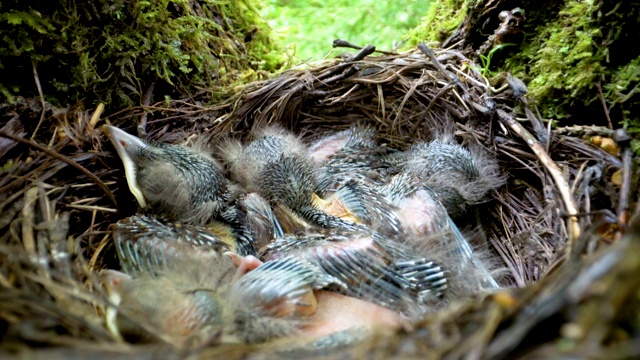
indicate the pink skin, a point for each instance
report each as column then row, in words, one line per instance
column 416, row 213
column 323, row 149
column 335, row 312
column 244, row 264
column 338, row 312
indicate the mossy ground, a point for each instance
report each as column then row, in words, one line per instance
column 572, row 50
column 441, row 20
column 111, row 51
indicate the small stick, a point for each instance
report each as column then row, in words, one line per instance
column 64, row 159
column 604, row 104
column 585, row 129
column 30, row 198
column 366, row 51
column 425, row 50
column 96, row 116
column 37, row 79
column 346, row 44
column 553, row 169
column 623, row 139
column 146, row 101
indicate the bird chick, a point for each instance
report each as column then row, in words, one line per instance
column 183, row 304
column 461, row 178
column 340, row 321
column 278, row 298
column 275, row 166
column 349, row 166
column 431, row 231
column 363, row 204
column 327, row 146
column 176, row 182
column 374, row 268
column 351, row 154
column 328, row 316
column 205, row 299
column 149, row 244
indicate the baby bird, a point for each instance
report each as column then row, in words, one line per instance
column 374, row 268
column 459, row 177
column 350, row 165
column 149, row 244
column 182, row 304
column 351, row 154
column 275, row 166
column 431, row 231
column 176, row 182
column 200, row 301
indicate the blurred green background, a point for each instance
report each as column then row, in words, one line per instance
column 308, row 27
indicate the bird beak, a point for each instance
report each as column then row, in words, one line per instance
column 111, row 280
column 124, row 143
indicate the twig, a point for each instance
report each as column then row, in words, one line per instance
column 366, row 51
column 345, row 74
column 346, row 44
column 94, row 259
column 550, row 165
column 585, row 129
column 519, row 90
column 540, row 130
column 623, row 139
column 28, row 241
column 425, row 50
column 90, row 207
column 37, row 79
column 146, row 101
column 96, row 116
column 66, row 160
column 604, row 104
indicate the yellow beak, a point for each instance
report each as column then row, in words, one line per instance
column 124, row 142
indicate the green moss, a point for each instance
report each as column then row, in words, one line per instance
column 112, row 50
column 441, row 20
column 623, row 91
column 563, row 58
column 7, row 167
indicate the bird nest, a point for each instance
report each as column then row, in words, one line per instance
column 558, row 225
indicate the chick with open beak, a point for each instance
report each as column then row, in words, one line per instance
column 176, row 182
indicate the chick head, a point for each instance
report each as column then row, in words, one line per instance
column 172, row 180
